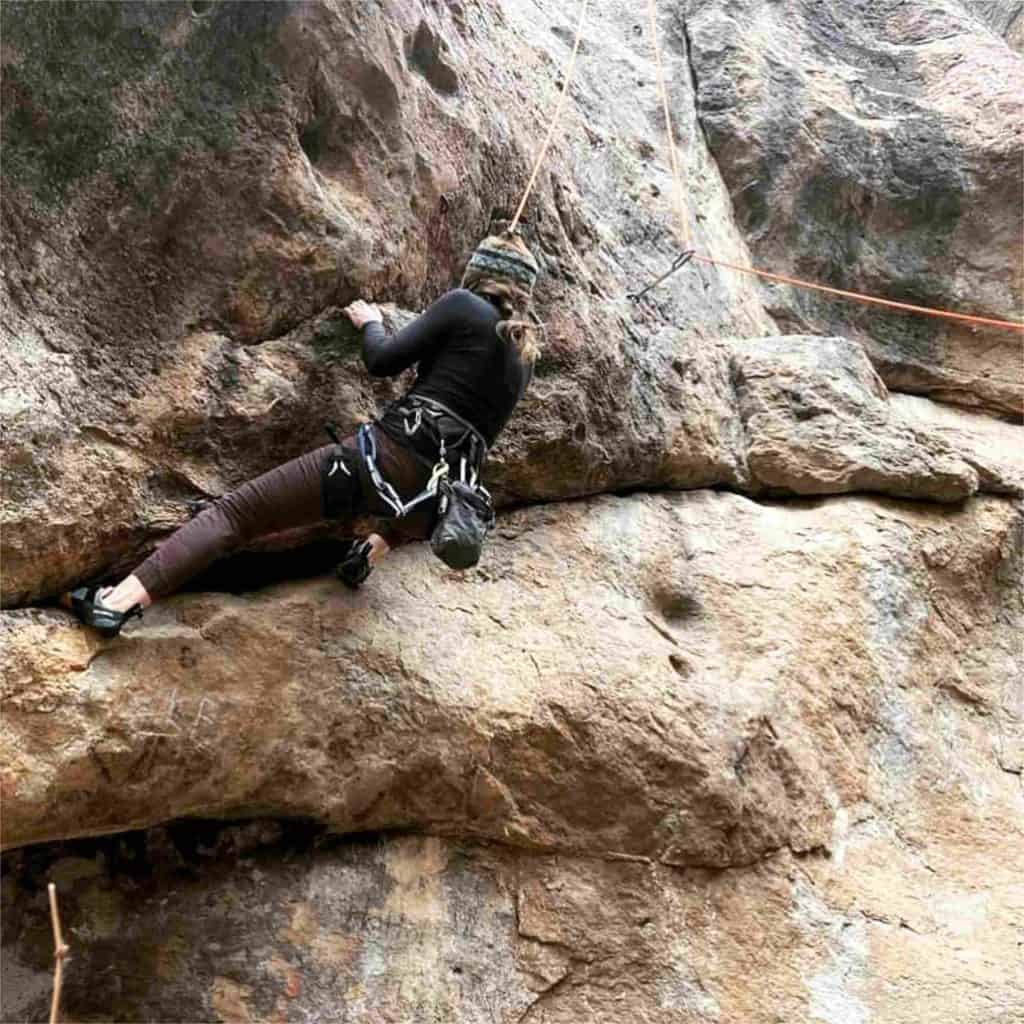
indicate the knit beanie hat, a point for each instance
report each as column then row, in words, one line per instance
column 505, row 257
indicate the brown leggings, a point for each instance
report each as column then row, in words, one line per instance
column 283, row 498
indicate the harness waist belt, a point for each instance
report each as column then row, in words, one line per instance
column 440, row 407
column 405, row 418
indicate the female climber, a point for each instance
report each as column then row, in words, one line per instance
column 474, row 351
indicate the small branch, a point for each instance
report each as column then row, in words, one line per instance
column 60, row 950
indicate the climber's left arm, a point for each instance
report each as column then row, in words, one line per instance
column 385, row 356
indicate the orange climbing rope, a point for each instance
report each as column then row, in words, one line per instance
column 566, row 79
column 860, row 297
column 1014, row 325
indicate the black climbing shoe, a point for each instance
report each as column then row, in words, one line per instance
column 355, row 566
column 87, row 606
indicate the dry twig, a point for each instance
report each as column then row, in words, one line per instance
column 59, row 952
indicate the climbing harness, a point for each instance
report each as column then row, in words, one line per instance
column 680, row 261
column 440, row 425
column 342, row 484
column 465, row 509
column 386, row 492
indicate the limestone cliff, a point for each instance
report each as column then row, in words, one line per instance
column 728, row 726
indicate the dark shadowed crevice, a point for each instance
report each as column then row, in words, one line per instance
column 254, row 570
column 687, row 48
column 424, row 53
column 180, row 894
column 313, row 138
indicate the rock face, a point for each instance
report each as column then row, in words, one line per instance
column 268, row 922
column 815, row 703
column 876, row 148
column 648, row 651
column 817, row 420
column 776, row 415
column 742, row 741
column 171, row 299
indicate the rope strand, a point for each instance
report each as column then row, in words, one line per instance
column 566, row 79
column 861, row 297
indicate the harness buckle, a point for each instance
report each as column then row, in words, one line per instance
column 417, row 421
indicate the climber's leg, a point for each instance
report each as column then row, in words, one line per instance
column 281, row 499
column 325, row 483
column 290, row 495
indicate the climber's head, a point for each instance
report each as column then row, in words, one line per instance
column 503, row 270
column 502, row 261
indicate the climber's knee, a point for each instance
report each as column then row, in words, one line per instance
column 223, row 526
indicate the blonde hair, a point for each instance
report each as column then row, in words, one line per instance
column 512, row 298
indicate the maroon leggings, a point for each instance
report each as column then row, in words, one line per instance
column 283, row 498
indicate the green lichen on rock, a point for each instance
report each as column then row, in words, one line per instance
column 126, row 89
column 336, row 340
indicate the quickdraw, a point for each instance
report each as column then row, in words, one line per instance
column 680, row 261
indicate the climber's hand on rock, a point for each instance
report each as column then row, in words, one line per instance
column 362, row 313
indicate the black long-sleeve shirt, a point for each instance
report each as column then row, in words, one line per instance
column 462, row 361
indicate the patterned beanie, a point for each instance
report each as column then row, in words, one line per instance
column 496, row 257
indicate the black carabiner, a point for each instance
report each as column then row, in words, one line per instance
column 680, row 261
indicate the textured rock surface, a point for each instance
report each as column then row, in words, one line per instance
column 171, row 322
column 166, row 296
column 1004, row 17
column 818, row 420
column 665, row 757
column 991, row 446
column 876, row 147
column 784, row 415
column 708, row 670
column 913, row 916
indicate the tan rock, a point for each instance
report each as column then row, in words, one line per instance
column 818, row 420
column 172, row 321
column 668, row 757
column 676, row 658
column 994, row 448
column 893, row 924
